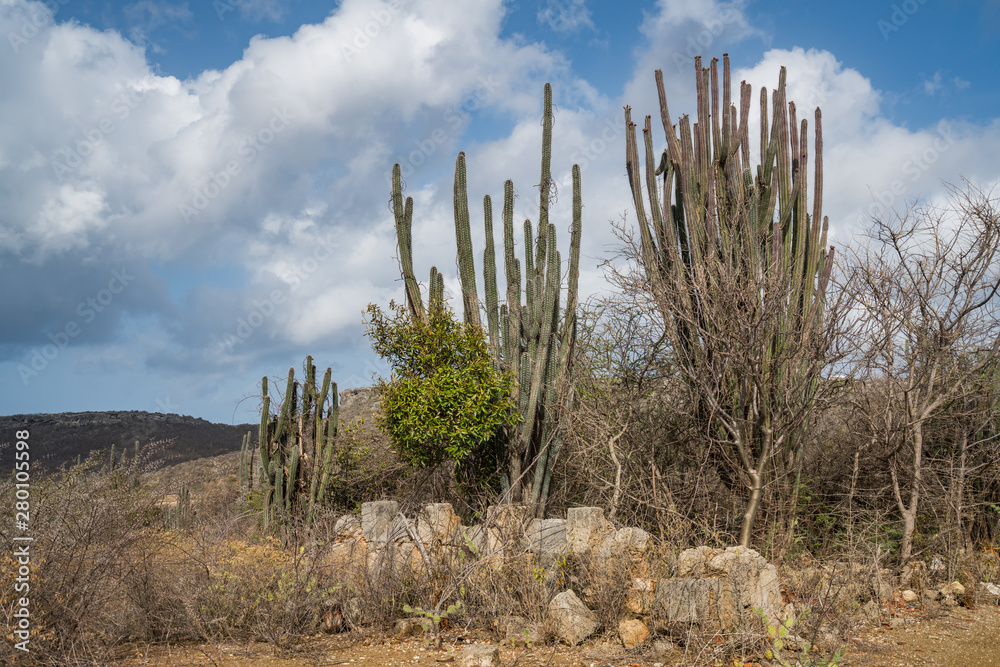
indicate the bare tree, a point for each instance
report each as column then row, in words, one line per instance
column 926, row 293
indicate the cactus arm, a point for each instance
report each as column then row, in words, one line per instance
column 463, row 237
column 403, row 213
column 490, row 281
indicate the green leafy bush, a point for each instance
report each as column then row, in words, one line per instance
column 446, row 397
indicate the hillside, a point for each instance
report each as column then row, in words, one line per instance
column 61, row 438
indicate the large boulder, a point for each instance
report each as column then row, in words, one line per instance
column 718, row 588
column 437, row 525
column 632, row 633
column 586, row 529
column 573, row 621
column 377, row 519
column 547, row 538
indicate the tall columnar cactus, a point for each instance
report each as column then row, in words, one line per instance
column 296, row 446
column 247, row 452
column 529, row 339
column 739, row 268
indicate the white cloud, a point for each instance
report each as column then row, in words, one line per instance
column 566, row 15
column 287, row 151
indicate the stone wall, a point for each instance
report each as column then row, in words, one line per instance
column 713, row 589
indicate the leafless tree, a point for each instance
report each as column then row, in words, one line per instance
column 926, row 329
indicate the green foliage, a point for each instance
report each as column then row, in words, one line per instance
column 530, row 339
column 435, row 616
column 778, row 632
column 445, row 398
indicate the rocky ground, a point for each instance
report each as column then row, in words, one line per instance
column 928, row 635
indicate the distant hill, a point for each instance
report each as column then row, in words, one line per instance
column 60, row 438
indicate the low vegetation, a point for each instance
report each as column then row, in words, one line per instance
column 744, row 384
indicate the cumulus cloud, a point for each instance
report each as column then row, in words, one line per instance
column 255, row 166
column 270, row 176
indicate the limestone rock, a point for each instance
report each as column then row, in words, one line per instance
column 547, row 538
column 377, row 520
column 479, row 655
column 518, row 631
column 406, row 627
column 954, row 589
column 634, row 541
column 347, row 526
column 586, row 528
column 632, row 633
column 640, row 596
column 628, row 542
column 573, row 621
column 691, row 600
column 718, row 588
column 909, row 596
column 989, row 591
column 437, row 524
column 505, row 526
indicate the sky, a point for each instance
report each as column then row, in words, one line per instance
column 194, row 195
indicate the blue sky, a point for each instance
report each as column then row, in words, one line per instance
column 194, row 194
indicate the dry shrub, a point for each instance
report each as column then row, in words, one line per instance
column 257, row 590
column 93, row 582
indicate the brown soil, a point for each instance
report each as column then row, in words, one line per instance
column 951, row 638
column 350, row 650
column 934, row 636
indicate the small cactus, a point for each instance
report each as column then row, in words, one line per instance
column 296, row 446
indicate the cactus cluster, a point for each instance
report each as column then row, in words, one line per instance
column 717, row 224
column 723, row 211
column 531, row 339
column 296, row 447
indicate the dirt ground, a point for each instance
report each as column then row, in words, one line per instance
column 939, row 636
column 953, row 638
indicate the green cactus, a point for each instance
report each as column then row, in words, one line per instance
column 296, row 447
column 246, row 464
column 715, row 221
column 531, row 339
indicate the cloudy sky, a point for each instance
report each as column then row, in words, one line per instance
column 194, row 194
